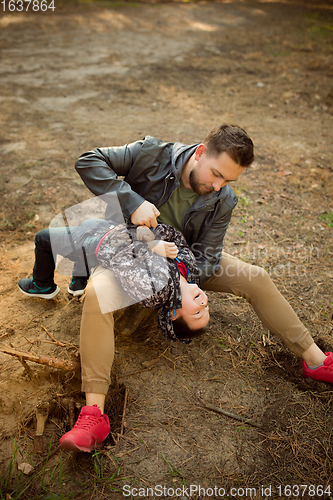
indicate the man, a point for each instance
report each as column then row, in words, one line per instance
column 187, row 187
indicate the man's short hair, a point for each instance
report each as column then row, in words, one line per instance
column 232, row 140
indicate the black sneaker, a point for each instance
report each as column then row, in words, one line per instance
column 31, row 289
column 76, row 286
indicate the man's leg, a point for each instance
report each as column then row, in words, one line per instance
column 254, row 284
column 103, row 295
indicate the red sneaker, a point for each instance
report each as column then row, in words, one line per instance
column 90, row 430
column 323, row 373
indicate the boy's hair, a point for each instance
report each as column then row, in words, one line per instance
column 183, row 331
column 233, row 140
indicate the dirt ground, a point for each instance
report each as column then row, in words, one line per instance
column 89, row 75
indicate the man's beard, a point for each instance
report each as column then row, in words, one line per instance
column 197, row 187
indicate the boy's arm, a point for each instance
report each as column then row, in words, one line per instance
column 169, row 233
column 143, row 233
column 163, row 248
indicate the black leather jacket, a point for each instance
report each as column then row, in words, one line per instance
column 150, row 170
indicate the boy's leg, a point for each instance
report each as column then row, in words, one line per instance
column 254, row 284
column 49, row 243
column 41, row 284
column 43, row 272
column 81, row 271
column 79, row 278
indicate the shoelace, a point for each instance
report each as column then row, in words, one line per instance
column 87, row 421
column 41, row 288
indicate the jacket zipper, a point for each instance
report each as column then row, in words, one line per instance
column 203, row 209
column 167, row 179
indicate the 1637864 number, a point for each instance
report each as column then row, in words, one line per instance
column 303, row 490
column 27, row 5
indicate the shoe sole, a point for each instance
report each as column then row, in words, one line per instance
column 75, row 293
column 69, row 445
column 46, row 296
column 311, row 380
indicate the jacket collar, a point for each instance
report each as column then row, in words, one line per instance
column 180, row 153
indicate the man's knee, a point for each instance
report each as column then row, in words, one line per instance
column 245, row 272
column 91, row 297
column 257, row 274
column 96, row 290
column 253, row 283
column 104, row 290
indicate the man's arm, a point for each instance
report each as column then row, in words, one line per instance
column 100, row 170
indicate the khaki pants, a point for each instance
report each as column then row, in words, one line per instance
column 104, row 295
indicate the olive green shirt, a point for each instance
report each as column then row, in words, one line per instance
column 173, row 211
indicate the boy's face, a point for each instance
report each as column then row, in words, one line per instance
column 211, row 173
column 195, row 310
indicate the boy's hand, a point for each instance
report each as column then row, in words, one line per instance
column 164, row 248
column 143, row 233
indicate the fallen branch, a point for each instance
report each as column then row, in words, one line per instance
column 42, row 413
column 134, row 373
column 226, row 413
column 10, row 331
column 62, row 364
column 71, row 410
column 57, row 342
column 123, row 416
column 27, row 368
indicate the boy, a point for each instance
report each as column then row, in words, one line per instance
column 155, row 268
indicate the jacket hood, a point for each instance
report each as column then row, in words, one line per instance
column 180, row 153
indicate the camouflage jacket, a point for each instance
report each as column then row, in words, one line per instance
column 150, row 279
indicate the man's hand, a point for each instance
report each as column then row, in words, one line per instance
column 145, row 215
column 164, row 248
column 143, row 233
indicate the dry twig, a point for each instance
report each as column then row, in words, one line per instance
column 63, row 364
column 27, row 368
column 123, row 416
column 42, row 413
column 134, row 373
column 57, row 342
column 226, row 413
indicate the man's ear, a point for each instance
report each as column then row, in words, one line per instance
column 199, row 151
